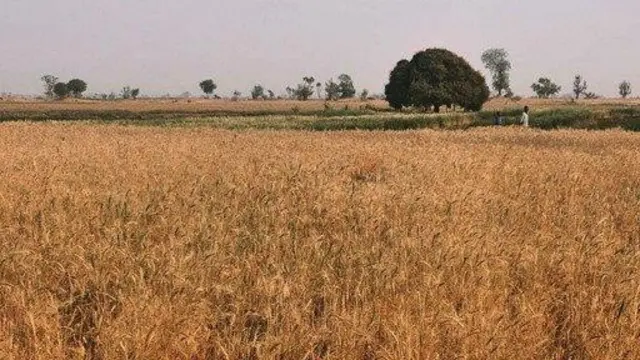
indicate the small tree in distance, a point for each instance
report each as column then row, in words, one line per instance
column 545, row 88
column 304, row 90
column 76, row 87
column 257, row 92
column 624, row 89
column 579, row 86
column 364, row 95
column 125, row 93
column 332, row 89
column 497, row 62
column 208, row 86
column 347, row 90
column 49, row 82
column 134, row 93
column 60, row 90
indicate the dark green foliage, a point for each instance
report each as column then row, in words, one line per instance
column 627, row 118
column 76, row 87
column 332, row 90
column 60, row 90
column 372, row 124
column 257, row 92
column 134, row 93
column 545, row 88
column 435, row 78
column 347, row 90
column 563, row 118
column 208, row 86
column 397, row 90
column 624, row 89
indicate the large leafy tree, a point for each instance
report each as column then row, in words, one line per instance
column 76, row 87
column 497, row 62
column 545, row 88
column 435, row 78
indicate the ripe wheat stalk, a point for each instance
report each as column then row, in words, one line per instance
column 176, row 243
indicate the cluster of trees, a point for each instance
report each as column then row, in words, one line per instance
column 437, row 77
column 75, row 87
column 54, row 88
column 343, row 89
column 545, row 88
column 497, row 62
column 129, row 93
column 431, row 79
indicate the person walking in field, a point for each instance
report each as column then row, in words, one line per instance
column 524, row 120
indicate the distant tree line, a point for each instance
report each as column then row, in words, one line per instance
column 54, row 89
column 431, row 79
column 305, row 90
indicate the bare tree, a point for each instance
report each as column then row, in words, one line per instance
column 579, row 86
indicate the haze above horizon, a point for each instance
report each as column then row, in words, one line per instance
column 165, row 46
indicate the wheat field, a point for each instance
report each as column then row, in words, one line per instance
column 197, row 104
column 187, row 105
column 194, row 243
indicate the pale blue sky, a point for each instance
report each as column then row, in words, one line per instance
column 166, row 46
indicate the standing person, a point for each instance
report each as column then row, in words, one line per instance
column 525, row 117
column 497, row 119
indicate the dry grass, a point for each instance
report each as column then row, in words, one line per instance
column 156, row 243
column 543, row 104
column 244, row 106
column 187, row 105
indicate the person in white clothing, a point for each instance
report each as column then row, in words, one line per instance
column 525, row 117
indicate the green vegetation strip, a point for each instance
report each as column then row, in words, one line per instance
column 627, row 118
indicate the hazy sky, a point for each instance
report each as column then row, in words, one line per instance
column 167, row 46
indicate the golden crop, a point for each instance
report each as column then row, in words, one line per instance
column 193, row 243
column 188, row 105
column 196, row 104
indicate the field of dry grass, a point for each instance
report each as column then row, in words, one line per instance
column 195, row 243
column 185, row 105
column 276, row 106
